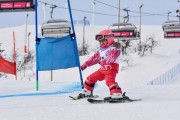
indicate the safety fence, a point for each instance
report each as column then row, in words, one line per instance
column 167, row 76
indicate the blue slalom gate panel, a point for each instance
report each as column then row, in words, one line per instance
column 56, row 53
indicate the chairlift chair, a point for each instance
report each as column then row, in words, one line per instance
column 171, row 29
column 125, row 31
column 56, row 28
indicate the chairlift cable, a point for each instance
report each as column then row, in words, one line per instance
column 79, row 10
column 99, row 13
column 149, row 14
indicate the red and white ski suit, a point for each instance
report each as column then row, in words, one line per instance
column 108, row 58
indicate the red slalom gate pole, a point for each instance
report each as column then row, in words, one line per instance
column 14, row 40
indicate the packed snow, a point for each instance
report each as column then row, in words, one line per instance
column 19, row 99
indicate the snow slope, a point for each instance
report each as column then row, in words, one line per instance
column 20, row 101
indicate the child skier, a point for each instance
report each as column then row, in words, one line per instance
column 108, row 58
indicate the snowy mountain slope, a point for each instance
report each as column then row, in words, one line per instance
column 159, row 102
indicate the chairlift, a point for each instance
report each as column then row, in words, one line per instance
column 125, row 31
column 171, row 29
column 56, row 28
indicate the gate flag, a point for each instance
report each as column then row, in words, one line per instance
column 56, row 53
column 7, row 67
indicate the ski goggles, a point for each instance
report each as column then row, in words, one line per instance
column 102, row 37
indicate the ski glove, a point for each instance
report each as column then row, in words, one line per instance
column 83, row 67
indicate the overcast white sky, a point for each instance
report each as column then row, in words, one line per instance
column 150, row 6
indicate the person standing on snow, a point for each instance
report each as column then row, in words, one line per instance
column 108, row 58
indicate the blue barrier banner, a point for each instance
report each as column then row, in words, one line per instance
column 56, row 53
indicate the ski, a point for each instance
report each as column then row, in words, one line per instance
column 124, row 99
column 77, row 98
column 121, row 100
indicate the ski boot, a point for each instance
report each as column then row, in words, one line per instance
column 117, row 96
column 85, row 93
